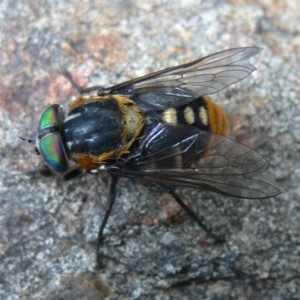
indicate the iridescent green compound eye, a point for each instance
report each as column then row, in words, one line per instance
column 52, row 150
column 50, row 117
column 50, row 143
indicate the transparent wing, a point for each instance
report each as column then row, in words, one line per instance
column 179, row 85
column 186, row 156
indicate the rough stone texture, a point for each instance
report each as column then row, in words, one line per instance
column 49, row 227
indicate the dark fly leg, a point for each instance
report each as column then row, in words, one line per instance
column 111, row 201
column 192, row 214
column 81, row 90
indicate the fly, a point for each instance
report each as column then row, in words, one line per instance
column 161, row 128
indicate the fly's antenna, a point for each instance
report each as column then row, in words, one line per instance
column 32, row 142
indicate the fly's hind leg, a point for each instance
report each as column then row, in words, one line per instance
column 192, row 214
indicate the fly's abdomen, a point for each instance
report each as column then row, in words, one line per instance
column 201, row 113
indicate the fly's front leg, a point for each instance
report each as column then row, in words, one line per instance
column 81, row 90
column 192, row 214
column 111, row 201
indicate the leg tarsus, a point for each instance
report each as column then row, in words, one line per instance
column 43, row 170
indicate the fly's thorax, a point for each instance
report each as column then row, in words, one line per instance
column 133, row 119
column 201, row 113
column 101, row 128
